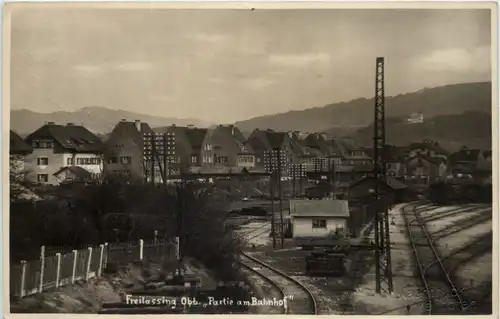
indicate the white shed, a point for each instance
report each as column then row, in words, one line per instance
column 318, row 218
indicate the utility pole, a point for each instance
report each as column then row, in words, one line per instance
column 273, row 222
column 383, row 268
column 280, row 189
column 269, row 168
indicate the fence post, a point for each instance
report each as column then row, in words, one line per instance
column 106, row 255
column 101, row 255
column 58, row 270
column 73, row 276
column 23, row 278
column 89, row 260
column 141, row 249
column 42, row 267
column 177, row 252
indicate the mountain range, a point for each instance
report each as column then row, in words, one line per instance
column 454, row 115
column 99, row 120
column 352, row 115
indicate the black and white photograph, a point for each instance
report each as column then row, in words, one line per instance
column 251, row 158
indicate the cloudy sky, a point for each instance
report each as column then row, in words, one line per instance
column 227, row 65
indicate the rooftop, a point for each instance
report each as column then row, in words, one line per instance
column 71, row 137
column 319, row 208
column 18, row 145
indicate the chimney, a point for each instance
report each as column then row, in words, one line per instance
column 290, row 134
column 123, row 120
column 190, row 126
column 138, row 125
column 70, row 124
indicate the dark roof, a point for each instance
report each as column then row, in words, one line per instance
column 228, row 140
column 18, row 145
column 258, row 141
column 465, row 155
column 182, row 144
column 316, row 208
column 80, row 172
column 267, row 140
column 196, row 136
column 429, row 145
column 275, row 139
column 317, row 141
column 391, row 182
column 128, row 130
column 71, row 137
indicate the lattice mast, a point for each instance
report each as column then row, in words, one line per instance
column 383, row 270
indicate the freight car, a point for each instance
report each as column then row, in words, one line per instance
column 325, row 264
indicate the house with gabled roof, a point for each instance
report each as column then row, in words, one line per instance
column 201, row 148
column 56, row 146
column 230, row 147
column 265, row 141
column 124, row 151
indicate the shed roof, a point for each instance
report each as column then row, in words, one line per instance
column 319, row 208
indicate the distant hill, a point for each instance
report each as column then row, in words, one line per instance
column 96, row 119
column 350, row 116
column 471, row 128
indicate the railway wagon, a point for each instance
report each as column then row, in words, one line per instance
column 325, row 264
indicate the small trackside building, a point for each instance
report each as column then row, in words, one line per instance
column 318, row 218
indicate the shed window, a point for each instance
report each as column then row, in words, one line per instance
column 319, row 223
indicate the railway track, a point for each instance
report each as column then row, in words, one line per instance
column 299, row 299
column 440, row 300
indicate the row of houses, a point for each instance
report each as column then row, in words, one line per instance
column 56, row 153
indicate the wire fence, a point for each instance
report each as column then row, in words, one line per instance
column 58, row 266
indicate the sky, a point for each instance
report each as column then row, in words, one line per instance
column 224, row 65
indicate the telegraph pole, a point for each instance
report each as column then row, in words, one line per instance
column 278, row 151
column 273, row 226
column 383, row 268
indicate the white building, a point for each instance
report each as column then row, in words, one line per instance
column 318, row 218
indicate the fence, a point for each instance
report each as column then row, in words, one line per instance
column 32, row 277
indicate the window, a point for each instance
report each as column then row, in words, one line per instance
column 126, row 160
column 112, row 160
column 42, row 178
column 207, row 159
column 222, row 160
column 42, row 144
column 319, row 223
column 245, row 159
column 258, row 159
column 194, row 159
column 42, row 161
column 69, row 161
column 88, row 161
column 208, row 147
